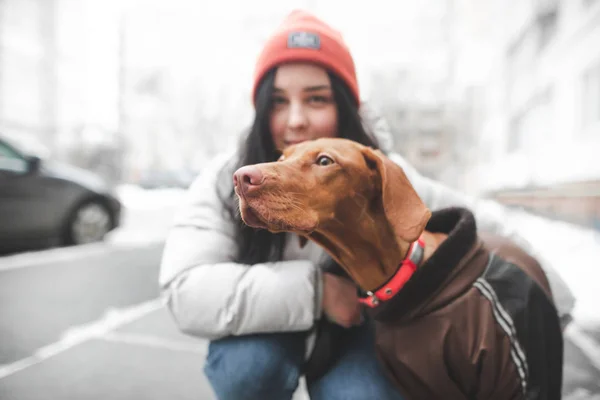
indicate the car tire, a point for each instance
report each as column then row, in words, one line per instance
column 88, row 223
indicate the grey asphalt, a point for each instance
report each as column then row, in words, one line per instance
column 91, row 328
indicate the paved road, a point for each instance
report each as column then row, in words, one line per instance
column 89, row 326
column 39, row 303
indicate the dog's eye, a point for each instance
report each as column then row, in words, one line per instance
column 324, row 161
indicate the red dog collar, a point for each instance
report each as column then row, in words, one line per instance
column 402, row 275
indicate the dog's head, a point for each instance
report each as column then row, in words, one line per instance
column 320, row 184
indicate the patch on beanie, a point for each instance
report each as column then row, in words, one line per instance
column 303, row 40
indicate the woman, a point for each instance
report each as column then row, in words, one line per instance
column 257, row 294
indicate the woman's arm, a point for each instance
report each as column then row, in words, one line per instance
column 492, row 217
column 211, row 296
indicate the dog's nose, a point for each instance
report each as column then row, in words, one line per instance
column 248, row 177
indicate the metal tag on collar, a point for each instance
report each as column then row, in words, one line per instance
column 374, row 299
column 417, row 253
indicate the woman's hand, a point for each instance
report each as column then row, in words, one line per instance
column 340, row 301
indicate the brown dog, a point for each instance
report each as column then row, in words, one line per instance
column 455, row 318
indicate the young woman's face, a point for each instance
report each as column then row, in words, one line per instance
column 303, row 105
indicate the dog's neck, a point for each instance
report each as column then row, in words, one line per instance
column 368, row 250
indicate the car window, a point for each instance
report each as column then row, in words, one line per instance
column 11, row 160
column 26, row 144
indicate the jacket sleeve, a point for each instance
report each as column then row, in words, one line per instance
column 211, row 296
column 491, row 371
column 507, row 343
column 492, row 217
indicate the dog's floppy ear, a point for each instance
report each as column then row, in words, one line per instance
column 403, row 208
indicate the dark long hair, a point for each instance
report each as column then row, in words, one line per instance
column 259, row 245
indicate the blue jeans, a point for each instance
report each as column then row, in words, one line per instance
column 267, row 366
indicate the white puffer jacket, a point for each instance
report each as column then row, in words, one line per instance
column 211, row 296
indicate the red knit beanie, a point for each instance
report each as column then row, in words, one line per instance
column 303, row 37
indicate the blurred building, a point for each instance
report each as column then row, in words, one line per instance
column 430, row 125
column 412, row 83
column 28, row 53
column 59, row 78
column 539, row 126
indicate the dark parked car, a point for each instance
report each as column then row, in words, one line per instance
column 45, row 203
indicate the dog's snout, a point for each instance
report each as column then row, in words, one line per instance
column 248, row 177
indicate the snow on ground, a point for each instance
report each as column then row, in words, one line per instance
column 147, row 214
column 575, row 252
column 136, row 198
